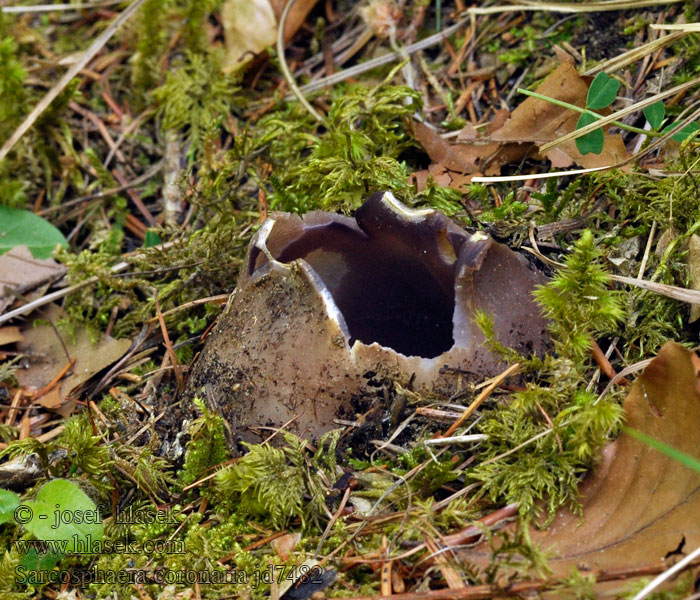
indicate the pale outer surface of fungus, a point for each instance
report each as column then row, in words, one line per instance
column 326, row 304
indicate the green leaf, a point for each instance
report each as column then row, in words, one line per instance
column 685, row 459
column 684, row 133
column 8, row 502
column 591, row 142
column 62, row 511
column 655, row 114
column 151, row 239
column 602, row 91
column 23, row 228
column 35, row 562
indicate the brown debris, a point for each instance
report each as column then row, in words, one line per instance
column 513, row 136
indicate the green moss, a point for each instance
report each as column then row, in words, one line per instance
column 206, row 447
column 357, row 154
column 86, row 453
column 195, row 94
column 578, row 301
column 272, row 482
column 545, row 438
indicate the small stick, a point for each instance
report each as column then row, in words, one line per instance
column 18, row 10
column 101, row 127
column 285, row 68
column 457, row 439
column 219, row 299
column 49, row 435
column 387, row 565
column 169, row 345
column 452, row 578
column 604, row 364
column 334, row 518
column 49, row 386
column 480, row 398
column 134, row 197
column 14, row 407
column 435, row 413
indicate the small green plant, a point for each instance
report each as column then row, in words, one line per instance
column 578, row 301
column 61, row 520
column 194, row 95
column 601, row 94
column 21, row 227
column 549, row 433
column 655, row 114
column 207, row 445
column 274, row 483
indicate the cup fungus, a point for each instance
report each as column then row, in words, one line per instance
column 327, row 305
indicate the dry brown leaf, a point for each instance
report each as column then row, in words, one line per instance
column 21, row 272
column 47, row 357
column 638, row 504
column 297, row 14
column 51, row 399
column 251, row 25
column 441, row 176
column 10, row 335
column 285, row 544
column 513, row 136
column 537, row 121
column 455, row 157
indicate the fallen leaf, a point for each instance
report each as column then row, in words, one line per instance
column 441, row 176
column 297, row 14
column 638, row 504
column 21, row 272
column 47, row 357
column 10, row 335
column 285, row 544
column 455, row 157
column 537, row 122
column 513, row 136
column 51, row 399
column 250, row 26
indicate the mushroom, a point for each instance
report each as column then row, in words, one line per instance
column 326, row 306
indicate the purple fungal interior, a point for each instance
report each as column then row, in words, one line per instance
column 390, row 270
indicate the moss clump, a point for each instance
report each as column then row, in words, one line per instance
column 548, row 434
column 194, row 94
column 366, row 131
column 578, row 302
column 206, row 447
column 272, row 482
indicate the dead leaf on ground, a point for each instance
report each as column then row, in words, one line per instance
column 21, row 272
column 539, row 122
column 47, row 357
column 285, row 544
column 10, row 335
column 251, row 25
column 638, row 504
column 513, row 136
column 461, row 158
